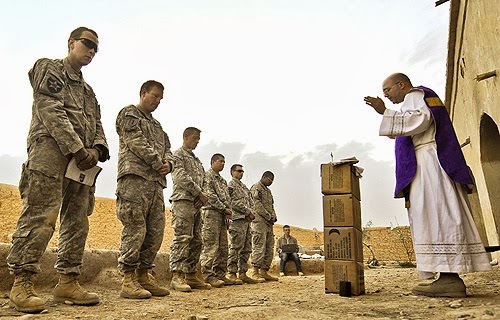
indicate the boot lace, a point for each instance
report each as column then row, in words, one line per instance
column 27, row 286
column 135, row 280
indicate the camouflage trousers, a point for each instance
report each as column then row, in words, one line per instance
column 263, row 245
column 141, row 209
column 47, row 194
column 215, row 247
column 240, row 247
column 186, row 243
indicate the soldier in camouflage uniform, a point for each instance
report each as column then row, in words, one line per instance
column 239, row 231
column 217, row 216
column 144, row 161
column 262, row 227
column 65, row 124
column 187, row 199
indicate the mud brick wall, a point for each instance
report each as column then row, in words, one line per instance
column 388, row 244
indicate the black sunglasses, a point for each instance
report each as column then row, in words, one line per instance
column 88, row 43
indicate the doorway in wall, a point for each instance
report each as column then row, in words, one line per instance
column 490, row 161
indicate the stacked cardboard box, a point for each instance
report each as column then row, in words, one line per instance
column 342, row 227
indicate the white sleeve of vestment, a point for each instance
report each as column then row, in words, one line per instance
column 413, row 118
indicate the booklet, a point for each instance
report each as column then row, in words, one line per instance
column 87, row 177
column 352, row 160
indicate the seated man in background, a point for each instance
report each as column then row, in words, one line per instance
column 287, row 250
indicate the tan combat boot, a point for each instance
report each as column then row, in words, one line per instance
column 256, row 275
column 246, row 279
column 23, row 296
column 131, row 289
column 214, row 281
column 233, row 279
column 447, row 285
column 263, row 274
column 68, row 289
column 195, row 283
column 148, row 282
column 179, row 283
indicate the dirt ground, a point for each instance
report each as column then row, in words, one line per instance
column 387, row 289
column 293, row 297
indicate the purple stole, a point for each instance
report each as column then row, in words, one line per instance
column 449, row 153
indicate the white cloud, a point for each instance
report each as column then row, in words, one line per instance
column 269, row 80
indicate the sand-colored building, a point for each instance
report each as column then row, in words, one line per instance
column 473, row 101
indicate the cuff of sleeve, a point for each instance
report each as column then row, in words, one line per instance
column 73, row 148
column 197, row 191
column 157, row 165
column 103, row 152
column 389, row 112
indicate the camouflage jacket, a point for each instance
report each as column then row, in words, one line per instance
column 264, row 203
column 241, row 199
column 188, row 175
column 65, row 108
column 144, row 146
column 217, row 192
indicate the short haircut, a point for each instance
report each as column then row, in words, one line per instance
column 286, row 226
column 150, row 84
column 77, row 33
column 215, row 157
column 189, row 131
column 268, row 174
column 234, row 166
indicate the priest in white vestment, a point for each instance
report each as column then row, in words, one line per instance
column 432, row 176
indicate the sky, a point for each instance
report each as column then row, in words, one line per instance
column 272, row 84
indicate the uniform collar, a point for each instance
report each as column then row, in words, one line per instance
column 72, row 74
column 214, row 172
column 237, row 181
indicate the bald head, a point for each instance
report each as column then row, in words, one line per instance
column 399, row 77
column 396, row 86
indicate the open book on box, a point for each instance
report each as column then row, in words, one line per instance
column 87, row 177
column 351, row 160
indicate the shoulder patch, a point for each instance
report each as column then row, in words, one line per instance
column 54, row 85
column 131, row 120
column 47, row 77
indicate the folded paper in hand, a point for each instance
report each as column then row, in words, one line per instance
column 87, row 177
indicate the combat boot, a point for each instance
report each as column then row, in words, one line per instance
column 232, row 279
column 68, row 289
column 131, row 289
column 179, row 283
column 447, row 285
column 195, row 283
column 246, row 279
column 148, row 282
column 256, row 275
column 266, row 276
column 215, row 282
column 23, row 296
